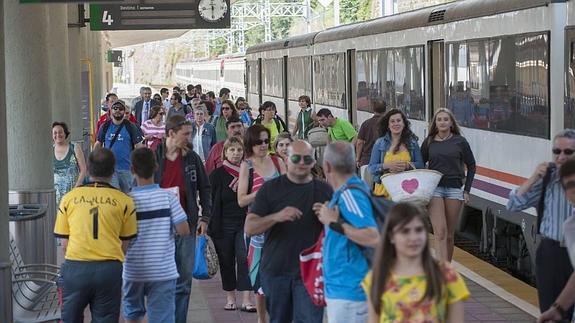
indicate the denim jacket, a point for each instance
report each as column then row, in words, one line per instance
column 208, row 137
column 379, row 149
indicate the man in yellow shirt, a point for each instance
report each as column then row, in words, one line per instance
column 95, row 221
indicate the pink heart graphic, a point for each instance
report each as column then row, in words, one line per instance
column 410, row 185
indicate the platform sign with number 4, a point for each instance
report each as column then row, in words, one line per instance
column 167, row 14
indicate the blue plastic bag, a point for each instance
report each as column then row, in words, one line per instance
column 200, row 261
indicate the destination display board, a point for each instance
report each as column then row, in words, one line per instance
column 161, row 14
column 67, row 1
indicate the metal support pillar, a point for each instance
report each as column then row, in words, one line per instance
column 5, row 277
column 28, row 133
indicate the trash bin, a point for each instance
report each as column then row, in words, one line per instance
column 32, row 216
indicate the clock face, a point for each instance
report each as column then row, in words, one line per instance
column 212, row 10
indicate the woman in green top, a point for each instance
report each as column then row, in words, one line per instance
column 69, row 163
column 272, row 122
column 219, row 122
column 305, row 118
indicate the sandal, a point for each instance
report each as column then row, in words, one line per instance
column 230, row 307
column 250, row 308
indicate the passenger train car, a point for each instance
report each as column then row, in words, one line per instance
column 505, row 68
column 213, row 75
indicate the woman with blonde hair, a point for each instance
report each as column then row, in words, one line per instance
column 446, row 151
column 407, row 284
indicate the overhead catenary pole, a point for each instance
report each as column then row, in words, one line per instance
column 336, row 12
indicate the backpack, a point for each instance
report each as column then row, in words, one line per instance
column 380, row 207
column 133, row 131
column 541, row 203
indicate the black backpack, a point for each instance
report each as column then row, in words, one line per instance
column 380, row 207
column 379, row 204
column 133, row 131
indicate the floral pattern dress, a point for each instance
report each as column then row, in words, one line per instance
column 400, row 301
column 66, row 173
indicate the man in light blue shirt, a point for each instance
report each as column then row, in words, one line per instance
column 543, row 191
column 349, row 228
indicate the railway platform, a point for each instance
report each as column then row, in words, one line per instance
column 496, row 297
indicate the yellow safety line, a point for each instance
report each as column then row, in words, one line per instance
column 91, row 97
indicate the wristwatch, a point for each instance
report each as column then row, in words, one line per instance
column 337, row 227
column 557, row 307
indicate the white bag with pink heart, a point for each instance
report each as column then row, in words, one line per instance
column 414, row 186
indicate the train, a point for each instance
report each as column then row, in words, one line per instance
column 506, row 69
column 226, row 71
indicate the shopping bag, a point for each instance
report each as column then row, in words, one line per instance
column 310, row 263
column 206, row 260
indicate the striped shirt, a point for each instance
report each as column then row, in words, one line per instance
column 149, row 128
column 151, row 256
column 555, row 211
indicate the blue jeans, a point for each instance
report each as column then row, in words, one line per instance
column 185, row 251
column 287, row 300
column 159, row 296
column 123, row 180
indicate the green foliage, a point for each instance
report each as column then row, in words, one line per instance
column 354, row 10
column 218, row 46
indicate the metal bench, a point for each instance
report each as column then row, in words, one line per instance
column 34, row 291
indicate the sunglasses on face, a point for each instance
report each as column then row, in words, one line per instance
column 260, row 142
column 567, row 152
column 226, row 108
column 307, row 159
column 118, row 107
column 569, row 185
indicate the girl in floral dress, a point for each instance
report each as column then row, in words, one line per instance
column 407, row 284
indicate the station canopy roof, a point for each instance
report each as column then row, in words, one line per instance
column 123, row 38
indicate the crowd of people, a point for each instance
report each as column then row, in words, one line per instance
column 176, row 167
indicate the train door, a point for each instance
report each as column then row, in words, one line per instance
column 436, row 76
column 351, row 87
column 286, row 90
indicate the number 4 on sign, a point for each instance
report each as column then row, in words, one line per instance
column 107, row 18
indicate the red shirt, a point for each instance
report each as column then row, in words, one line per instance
column 215, row 157
column 173, row 177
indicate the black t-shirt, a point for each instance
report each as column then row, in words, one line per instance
column 285, row 241
column 449, row 157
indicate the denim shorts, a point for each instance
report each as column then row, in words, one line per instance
column 161, row 300
column 346, row 311
column 452, row 193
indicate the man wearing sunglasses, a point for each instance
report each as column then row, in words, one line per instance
column 350, row 227
column 121, row 137
column 543, row 190
column 283, row 209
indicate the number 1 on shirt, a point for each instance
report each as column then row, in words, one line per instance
column 94, row 213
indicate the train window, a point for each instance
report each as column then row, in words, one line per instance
column 253, row 72
column 569, row 104
column 299, row 77
column 501, row 84
column 394, row 75
column 272, row 72
column 329, row 80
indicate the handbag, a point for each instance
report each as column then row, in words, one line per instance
column 310, row 264
column 206, row 262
